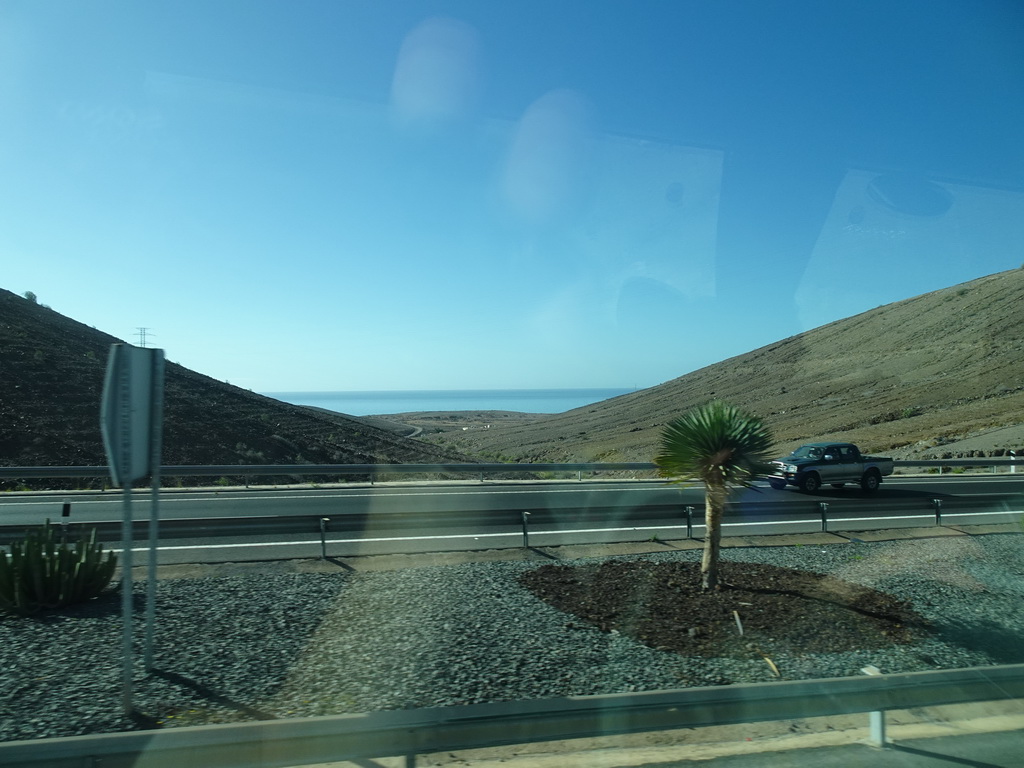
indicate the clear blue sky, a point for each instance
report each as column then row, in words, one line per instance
column 407, row 194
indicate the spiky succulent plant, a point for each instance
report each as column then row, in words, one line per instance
column 41, row 572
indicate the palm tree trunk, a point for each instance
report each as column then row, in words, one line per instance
column 714, row 498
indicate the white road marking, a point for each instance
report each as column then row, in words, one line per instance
column 406, row 538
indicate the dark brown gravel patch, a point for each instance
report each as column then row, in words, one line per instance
column 663, row 606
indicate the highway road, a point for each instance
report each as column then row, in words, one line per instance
column 260, row 524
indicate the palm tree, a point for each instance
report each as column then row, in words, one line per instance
column 722, row 446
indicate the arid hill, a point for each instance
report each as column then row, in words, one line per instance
column 935, row 376
column 51, row 380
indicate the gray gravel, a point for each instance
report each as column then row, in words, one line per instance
column 245, row 647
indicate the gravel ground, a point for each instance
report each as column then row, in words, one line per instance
column 244, row 647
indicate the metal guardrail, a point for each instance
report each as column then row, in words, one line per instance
column 980, row 461
column 241, row 470
column 284, row 470
column 423, row 731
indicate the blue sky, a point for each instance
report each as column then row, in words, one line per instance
column 389, row 194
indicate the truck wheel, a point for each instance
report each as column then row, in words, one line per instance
column 810, row 482
column 838, row 485
column 778, row 485
column 870, row 481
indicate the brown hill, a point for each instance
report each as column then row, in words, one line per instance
column 934, row 376
column 51, row 380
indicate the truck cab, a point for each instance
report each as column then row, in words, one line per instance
column 815, row 464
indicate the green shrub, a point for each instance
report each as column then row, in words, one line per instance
column 41, row 572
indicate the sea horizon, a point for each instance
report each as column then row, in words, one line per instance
column 384, row 402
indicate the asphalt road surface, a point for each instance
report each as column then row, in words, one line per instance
column 260, row 524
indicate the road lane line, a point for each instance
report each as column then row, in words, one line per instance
column 516, row 534
column 945, row 513
column 561, row 532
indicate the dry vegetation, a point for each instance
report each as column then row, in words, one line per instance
column 51, row 379
column 936, row 376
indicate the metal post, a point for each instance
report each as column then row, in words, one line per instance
column 823, row 508
column 579, row 476
column 937, row 503
column 876, row 719
column 1013, row 467
column 156, row 440
column 526, row 531
column 154, row 503
column 126, row 597
column 323, row 537
column 876, row 724
column 689, row 522
column 65, row 514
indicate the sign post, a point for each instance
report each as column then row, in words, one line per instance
column 156, row 441
column 130, row 420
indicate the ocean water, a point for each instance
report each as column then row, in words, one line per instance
column 384, row 402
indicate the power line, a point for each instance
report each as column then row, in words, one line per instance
column 142, row 333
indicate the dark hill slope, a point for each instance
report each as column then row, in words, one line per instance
column 906, row 378
column 51, row 380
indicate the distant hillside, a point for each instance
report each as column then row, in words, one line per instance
column 51, row 380
column 934, row 376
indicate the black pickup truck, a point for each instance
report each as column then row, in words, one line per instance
column 811, row 466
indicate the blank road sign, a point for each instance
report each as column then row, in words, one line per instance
column 132, row 387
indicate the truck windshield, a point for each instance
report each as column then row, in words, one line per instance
column 807, row 452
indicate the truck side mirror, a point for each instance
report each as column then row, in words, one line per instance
column 829, row 457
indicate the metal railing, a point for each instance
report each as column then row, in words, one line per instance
column 422, row 731
column 300, row 470
column 285, row 470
